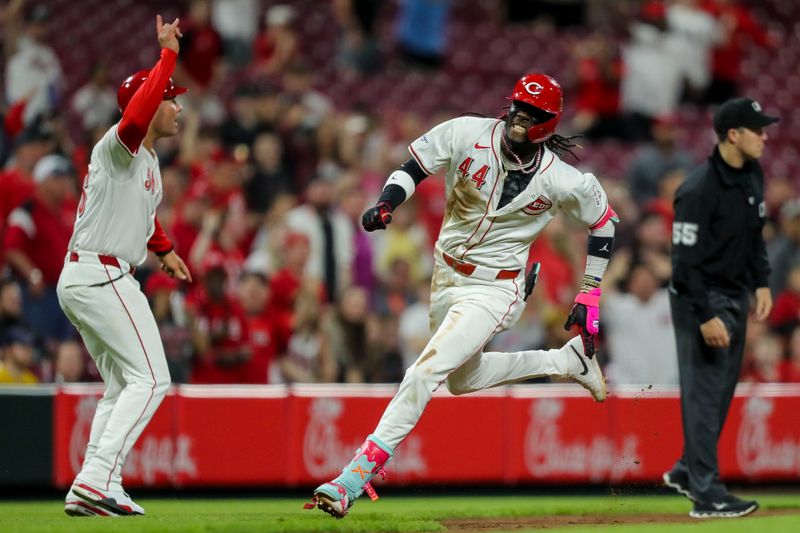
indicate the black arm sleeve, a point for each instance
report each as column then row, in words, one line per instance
column 690, row 232
column 394, row 194
column 414, row 170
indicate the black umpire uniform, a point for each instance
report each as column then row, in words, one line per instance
column 718, row 260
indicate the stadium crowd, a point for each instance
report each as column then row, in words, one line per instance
column 264, row 188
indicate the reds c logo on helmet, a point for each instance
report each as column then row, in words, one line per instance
column 134, row 81
column 543, row 92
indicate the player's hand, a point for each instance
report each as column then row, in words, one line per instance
column 715, row 334
column 168, row 34
column 585, row 315
column 173, row 265
column 377, row 217
column 763, row 303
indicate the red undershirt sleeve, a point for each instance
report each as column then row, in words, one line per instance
column 159, row 243
column 144, row 104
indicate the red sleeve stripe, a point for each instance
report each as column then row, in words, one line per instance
column 419, row 161
column 603, row 219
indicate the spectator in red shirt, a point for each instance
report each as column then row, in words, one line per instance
column 739, row 29
column 276, row 45
column 201, row 49
column 16, row 181
column 222, row 234
column 220, row 333
column 553, row 251
column 36, row 242
column 188, row 219
column 599, row 70
column 267, row 336
column 286, row 281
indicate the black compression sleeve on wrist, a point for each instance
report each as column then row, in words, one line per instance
column 393, row 195
column 414, row 170
column 600, row 246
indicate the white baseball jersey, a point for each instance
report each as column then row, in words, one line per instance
column 474, row 229
column 118, row 203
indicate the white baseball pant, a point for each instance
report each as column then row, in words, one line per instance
column 466, row 313
column 121, row 334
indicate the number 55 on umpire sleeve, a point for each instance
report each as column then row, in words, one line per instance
column 684, row 233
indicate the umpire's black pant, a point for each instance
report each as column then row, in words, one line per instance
column 708, row 379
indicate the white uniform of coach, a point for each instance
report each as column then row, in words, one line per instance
column 114, row 228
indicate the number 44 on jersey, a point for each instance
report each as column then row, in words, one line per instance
column 479, row 177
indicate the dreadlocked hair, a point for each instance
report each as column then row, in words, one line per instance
column 560, row 144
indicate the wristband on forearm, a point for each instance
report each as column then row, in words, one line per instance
column 589, row 282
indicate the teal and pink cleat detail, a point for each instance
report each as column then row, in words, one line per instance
column 337, row 496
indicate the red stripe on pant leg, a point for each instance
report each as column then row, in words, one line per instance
column 152, row 389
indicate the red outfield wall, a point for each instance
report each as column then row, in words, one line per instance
column 300, row 435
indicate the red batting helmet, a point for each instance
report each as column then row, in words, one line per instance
column 542, row 92
column 134, row 81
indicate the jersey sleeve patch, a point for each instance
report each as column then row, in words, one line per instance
column 434, row 150
column 586, row 200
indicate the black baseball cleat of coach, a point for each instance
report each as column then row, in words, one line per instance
column 678, row 481
column 729, row 507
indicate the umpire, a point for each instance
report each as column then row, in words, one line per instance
column 718, row 259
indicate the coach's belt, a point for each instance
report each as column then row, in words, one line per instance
column 108, row 260
column 468, row 269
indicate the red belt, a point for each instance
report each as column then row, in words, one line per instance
column 108, row 260
column 468, row 268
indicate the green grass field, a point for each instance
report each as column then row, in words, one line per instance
column 400, row 514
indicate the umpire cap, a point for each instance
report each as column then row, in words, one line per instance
column 741, row 113
column 134, row 81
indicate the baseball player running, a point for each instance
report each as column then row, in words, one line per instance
column 504, row 183
column 114, row 228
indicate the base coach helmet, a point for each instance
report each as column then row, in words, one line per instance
column 134, row 81
column 544, row 93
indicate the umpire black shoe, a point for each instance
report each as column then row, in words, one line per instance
column 679, row 482
column 729, row 507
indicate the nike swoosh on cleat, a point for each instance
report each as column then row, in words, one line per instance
column 585, row 368
column 479, row 147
